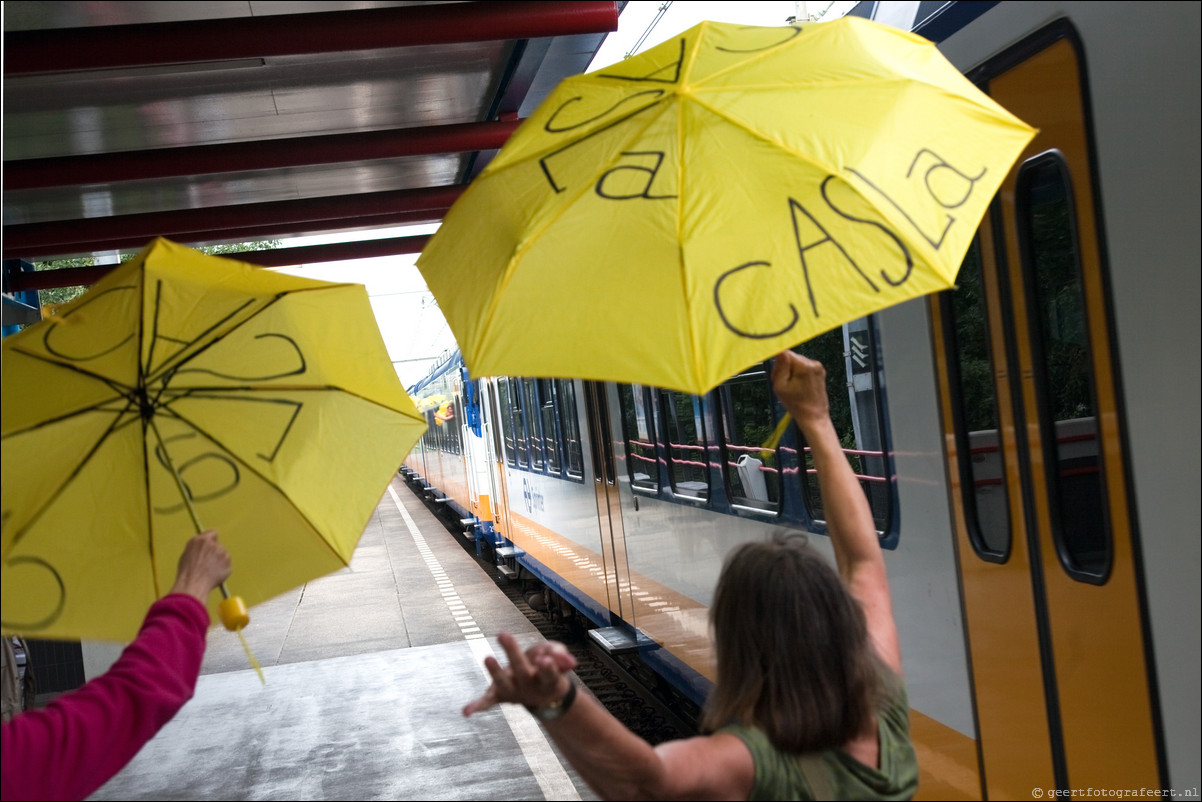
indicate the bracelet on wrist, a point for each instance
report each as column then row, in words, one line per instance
column 557, row 709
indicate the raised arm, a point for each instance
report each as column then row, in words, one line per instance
column 800, row 383
column 80, row 740
column 615, row 762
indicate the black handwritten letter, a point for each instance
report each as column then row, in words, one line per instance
column 101, row 340
column 794, row 30
column 901, row 247
column 948, row 178
column 641, row 175
column 674, row 66
column 726, row 320
column 648, row 99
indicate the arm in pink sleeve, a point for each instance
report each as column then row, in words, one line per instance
column 80, row 740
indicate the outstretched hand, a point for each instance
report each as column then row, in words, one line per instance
column 204, row 565
column 536, row 677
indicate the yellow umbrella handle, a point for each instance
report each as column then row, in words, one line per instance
column 774, row 439
column 233, row 611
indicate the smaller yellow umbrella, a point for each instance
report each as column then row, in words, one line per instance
column 723, row 196
column 185, row 389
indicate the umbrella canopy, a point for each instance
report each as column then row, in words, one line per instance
column 271, row 397
column 732, row 192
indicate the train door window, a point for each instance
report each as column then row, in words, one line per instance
column 852, row 373
column 521, row 452
column 534, row 437
column 573, row 451
column 748, row 413
column 638, row 428
column 505, row 411
column 971, row 370
column 547, row 402
column 1063, row 363
column 687, row 467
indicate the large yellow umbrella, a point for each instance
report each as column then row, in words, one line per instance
column 732, row 192
column 266, row 401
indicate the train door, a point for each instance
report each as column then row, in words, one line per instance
column 476, row 433
column 609, row 509
column 1029, row 389
column 504, row 447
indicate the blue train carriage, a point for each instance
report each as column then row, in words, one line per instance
column 1020, row 440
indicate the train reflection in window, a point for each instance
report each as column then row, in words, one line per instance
column 684, row 432
column 532, row 409
column 1064, row 364
column 573, row 450
column 971, row 369
column 639, row 431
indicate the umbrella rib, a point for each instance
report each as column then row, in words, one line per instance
column 111, row 382
column 113, row 426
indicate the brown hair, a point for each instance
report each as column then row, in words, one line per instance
column 794, row 657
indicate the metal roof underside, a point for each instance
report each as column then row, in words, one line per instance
column 223, row 122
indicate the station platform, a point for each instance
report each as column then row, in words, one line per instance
column 366, row 671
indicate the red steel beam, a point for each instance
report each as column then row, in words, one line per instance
column 102, row 168
column 278, row 257
column 115, row 46
column 240, row 221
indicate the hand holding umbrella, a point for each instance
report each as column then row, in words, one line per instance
column 204, row 565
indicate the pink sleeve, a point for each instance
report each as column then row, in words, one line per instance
column 79, row 741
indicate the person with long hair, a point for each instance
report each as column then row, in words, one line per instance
column 809, row 700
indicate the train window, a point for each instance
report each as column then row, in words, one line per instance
column 688, row 469
column 748, row 413
column 455, row 424
column 970, row 369
column 573, row 451
column 852, row 371
column 638, row 428
column 504, row 411
column 533, row 411
column 1063, row 363
column 547, row 402
column 521, row 452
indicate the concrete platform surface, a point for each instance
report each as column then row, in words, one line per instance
column 366, row 672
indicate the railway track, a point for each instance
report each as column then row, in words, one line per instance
column 632, row 693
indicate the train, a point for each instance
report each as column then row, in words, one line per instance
column 1025, row 440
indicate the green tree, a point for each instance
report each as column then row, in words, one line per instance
column 61, row 295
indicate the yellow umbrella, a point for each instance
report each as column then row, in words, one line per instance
column 734, row 191
column 270, row 397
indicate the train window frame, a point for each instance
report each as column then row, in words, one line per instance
column 651, row 484
column 536, row 459
column 669, row 413
column 505, row 413
column 568, row 409
column 725, row 411
column 811, row 499
column 548, row 401
column 1054, row 161
column 950, row 321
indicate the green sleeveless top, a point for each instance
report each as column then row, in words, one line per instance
column 834, row 774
